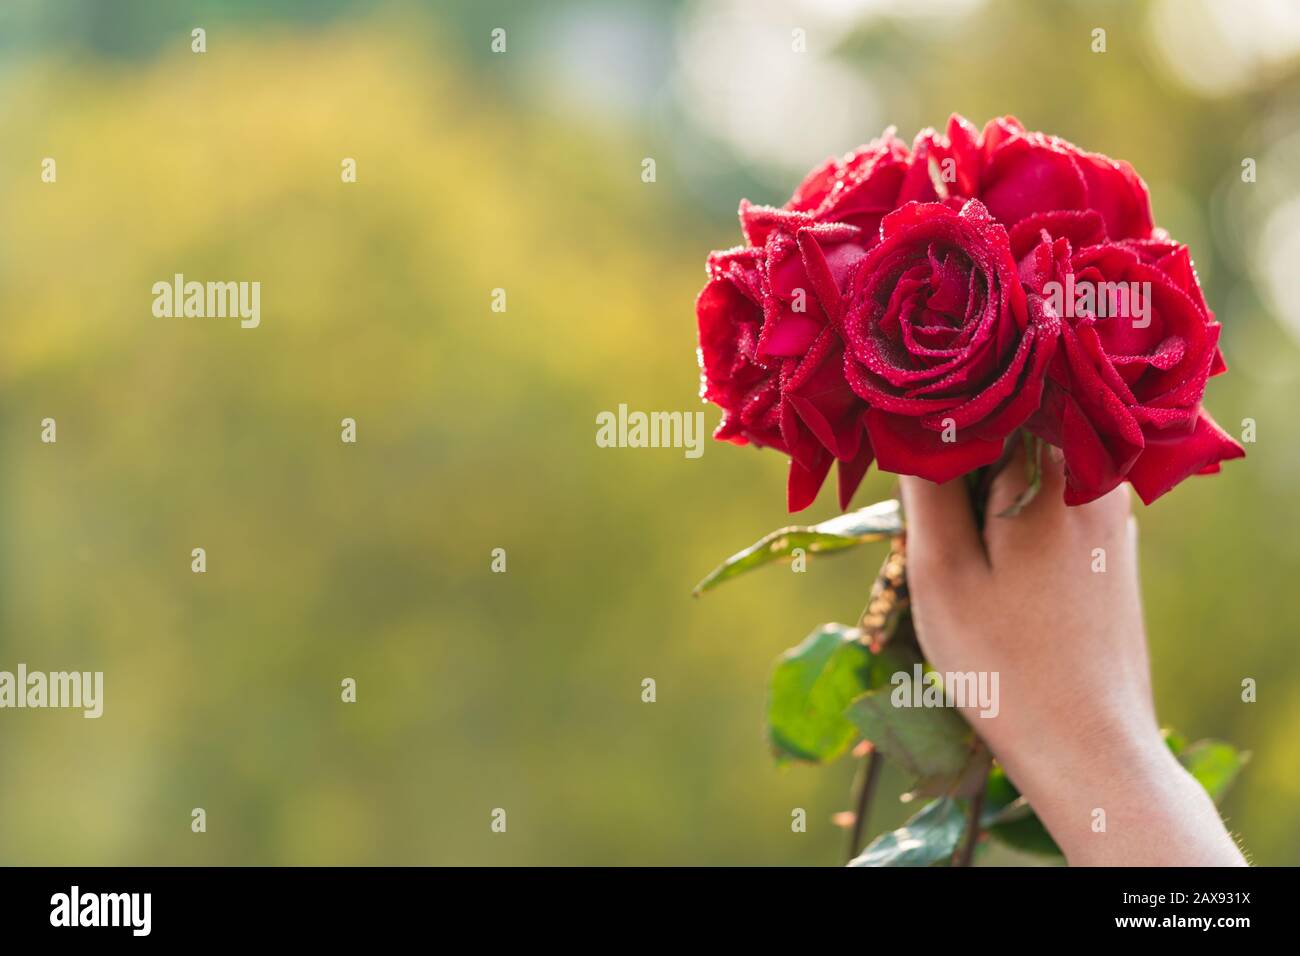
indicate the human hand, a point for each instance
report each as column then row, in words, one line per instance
column 1049, row 601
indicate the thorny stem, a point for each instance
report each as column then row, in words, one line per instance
column 888, row 601
column 867, row 778
column 886, row 607
column 888, row 604
column 966, row 852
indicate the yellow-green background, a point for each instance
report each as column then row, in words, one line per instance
column 476, row 429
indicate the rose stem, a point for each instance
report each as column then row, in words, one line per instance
column 868, row 775
column 967, row 851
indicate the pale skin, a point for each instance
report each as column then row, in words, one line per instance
column 1076, row 730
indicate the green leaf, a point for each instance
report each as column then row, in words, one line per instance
column 999, row 793
column 1028, row 835
column 964, row 783
column 927, row 742
column 881, row 520
column 810, row 687
column 1214, row 764
column 1175, row 741
column 928, row 838
column 1008, row 818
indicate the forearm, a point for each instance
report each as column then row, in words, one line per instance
column 1130, row 806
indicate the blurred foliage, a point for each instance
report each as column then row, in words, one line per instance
column 480, row 690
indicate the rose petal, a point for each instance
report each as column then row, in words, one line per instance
column 823, row 400
column 851, row 472
column 1168, row 459
column 1027, row 175
column 758, row 222
column 1081, row 227
column 804, row 483
column 1118, row 193
column 1090, row 469
column 902, row 446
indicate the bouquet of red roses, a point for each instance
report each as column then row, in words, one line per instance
column 919, row 306
column 930, row 308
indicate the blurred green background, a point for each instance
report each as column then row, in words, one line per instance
column 476, row 429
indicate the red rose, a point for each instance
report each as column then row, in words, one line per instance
column 793, row 395
column 859, row 188
column 1017, row 172
column 769, row 353
column 1138, row 344
column 730, row 314
column 942, row 344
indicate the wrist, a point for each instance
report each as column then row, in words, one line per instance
column 1051, row 763
column 1126, row 800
